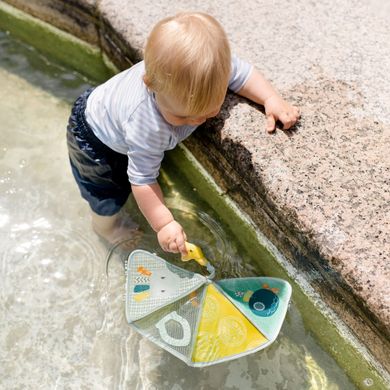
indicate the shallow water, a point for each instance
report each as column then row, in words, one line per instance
column 62, row 318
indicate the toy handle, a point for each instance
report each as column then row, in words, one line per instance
column 195, row 253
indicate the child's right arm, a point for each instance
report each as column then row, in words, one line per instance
column 170, row 234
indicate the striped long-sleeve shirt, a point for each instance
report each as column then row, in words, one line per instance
column 124, row 115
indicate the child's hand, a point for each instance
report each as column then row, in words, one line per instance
column 278, row 109
column 172, row 238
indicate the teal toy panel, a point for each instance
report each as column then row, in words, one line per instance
column 262, row 300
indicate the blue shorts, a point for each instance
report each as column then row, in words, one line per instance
column 100, row 172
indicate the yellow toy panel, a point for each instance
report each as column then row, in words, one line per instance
column 223, row 330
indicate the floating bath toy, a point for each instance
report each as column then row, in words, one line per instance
column 200, row 321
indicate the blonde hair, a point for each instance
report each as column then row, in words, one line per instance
column 187, row 56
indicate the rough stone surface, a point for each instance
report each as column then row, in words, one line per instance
column 74, row 16
column 326, row 184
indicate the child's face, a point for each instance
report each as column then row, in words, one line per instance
column 175, row 115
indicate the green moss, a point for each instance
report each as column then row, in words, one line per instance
column 347, row 356
column 74, row 52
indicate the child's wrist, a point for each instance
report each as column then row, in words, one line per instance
column 271, row 96
column 162, row 225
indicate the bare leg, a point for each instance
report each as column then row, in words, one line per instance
column 115, row 228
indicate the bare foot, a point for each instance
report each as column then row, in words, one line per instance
column 118, row 230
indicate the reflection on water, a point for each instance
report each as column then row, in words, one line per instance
column 62, row 317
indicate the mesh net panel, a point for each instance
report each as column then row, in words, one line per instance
column 173, row 327
column 153, row 283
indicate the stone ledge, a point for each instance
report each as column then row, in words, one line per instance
column 323, row 189
column 280, row 226
column 72, row 16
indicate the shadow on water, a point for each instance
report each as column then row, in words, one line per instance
column 25, row 61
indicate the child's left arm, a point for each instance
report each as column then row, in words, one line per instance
column 260, row 91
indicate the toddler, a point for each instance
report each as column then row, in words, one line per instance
column 118, row 132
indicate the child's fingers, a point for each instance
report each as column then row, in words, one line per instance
column 182, row 249
column 270, row 123
column 287, row 119
column 180, row 242
column 172, row 247
column 164, row 247
column 176, row 246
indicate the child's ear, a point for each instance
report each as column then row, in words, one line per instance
column 147, row 81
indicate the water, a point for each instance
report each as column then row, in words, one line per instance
column 62, row 318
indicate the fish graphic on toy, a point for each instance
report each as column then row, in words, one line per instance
column 263, row 302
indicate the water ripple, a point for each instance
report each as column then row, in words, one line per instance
column 47, row 267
